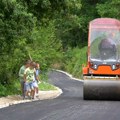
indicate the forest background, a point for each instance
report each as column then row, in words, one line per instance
column 52, row 32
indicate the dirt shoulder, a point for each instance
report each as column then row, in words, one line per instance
column 16, row 99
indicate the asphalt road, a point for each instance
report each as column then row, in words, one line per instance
column 69, row 106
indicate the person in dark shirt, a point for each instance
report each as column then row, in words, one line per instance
column 107, row 48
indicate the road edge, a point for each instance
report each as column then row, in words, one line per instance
column 43, row 95
column 69, row 75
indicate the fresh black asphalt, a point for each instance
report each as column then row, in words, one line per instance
column 69, row 106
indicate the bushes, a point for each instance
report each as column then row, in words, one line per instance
column 74, row 59
column 10, row 89
column 3, row 90
column 45, row 47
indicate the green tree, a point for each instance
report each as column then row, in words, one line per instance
column 46, row 47
column 16, row 25
column 110, row 8
column 45, row 29
column 68, row 24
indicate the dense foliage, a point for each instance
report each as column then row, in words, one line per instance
column 50, row 31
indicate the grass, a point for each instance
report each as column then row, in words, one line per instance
column 15, row 89
column 44, row 86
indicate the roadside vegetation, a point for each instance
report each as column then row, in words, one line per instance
column 50, row 31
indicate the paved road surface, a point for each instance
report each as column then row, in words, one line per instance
column 69, row 106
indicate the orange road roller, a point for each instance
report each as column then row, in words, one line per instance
column 102, row 73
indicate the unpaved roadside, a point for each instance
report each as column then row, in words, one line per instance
column 16, row 99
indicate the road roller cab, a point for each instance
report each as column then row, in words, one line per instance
column 101, row 75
